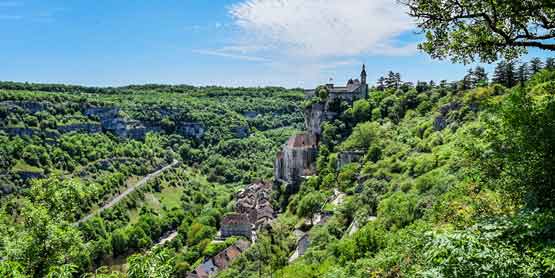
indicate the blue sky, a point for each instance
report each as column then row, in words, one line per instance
column 291, row 43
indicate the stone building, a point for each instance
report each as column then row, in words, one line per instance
column 236, row 224
column 211, row 266
column 297, row 158
column 255, row 201
column 355, row 89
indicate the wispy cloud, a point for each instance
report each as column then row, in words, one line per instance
column 227, row 54
column 324, row 28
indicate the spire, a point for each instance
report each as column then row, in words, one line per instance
column 363, row 74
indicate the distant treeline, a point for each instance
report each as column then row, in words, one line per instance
column 64, row 88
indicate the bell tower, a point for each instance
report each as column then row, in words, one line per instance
column 363, row 74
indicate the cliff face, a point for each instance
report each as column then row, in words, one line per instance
column 297, row 158
column 125, row 128
column 313, row 118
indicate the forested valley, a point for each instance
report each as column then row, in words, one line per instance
column 454, row 180
column 68, row 150
column 431, row 178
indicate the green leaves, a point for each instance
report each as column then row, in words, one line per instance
column 156, row 264
column 466, row 31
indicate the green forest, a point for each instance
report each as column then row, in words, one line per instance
column 439, row 178
column 53, row 177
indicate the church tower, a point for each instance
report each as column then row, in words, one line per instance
column 363, row 74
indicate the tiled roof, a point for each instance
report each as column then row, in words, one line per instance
column 236, row 219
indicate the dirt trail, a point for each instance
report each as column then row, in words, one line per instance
column 120, row 197
column 167, row 238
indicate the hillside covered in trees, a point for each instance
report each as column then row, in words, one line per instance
column 454, row 180
column 67, row 151
column 400, row 179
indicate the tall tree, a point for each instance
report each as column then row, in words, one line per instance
column 483, row 29
column 499, row 74
column 550, row 63
column 536, row 65
column 391, row 81
column 511, row 75
column 398, row 81
column 523, row 73
column 468, row 82
column 480, row 76
column 381, row 83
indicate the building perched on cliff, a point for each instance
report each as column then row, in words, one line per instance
column 298, row 156
column 355, row 89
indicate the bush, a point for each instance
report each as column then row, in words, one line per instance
column 397, row 210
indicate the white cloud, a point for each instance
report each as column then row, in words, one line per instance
column 324, row 28
column 227, row 54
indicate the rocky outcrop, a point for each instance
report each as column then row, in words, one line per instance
column 190, row 129
column 241, row 131
column 81, row 127
column 29, row 106
column 297, row 158
column 315, row 115
column 250, row 114
column 111, row 121
column 26, row 131
column 102, row 113
column 346, row 157
column 27, row 175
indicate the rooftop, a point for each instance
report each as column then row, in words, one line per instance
column 236, row 219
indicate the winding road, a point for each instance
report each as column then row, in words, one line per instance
column 124, row 194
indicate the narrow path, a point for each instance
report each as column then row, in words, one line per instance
column 130, row 190
column 167, row 238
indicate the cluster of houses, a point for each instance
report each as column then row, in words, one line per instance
column 211, row 266
column 253, row 211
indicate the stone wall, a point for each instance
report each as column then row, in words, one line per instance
column 297, row 158
column 344, row 158
column 236, row 224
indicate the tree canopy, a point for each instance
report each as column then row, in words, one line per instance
column 465, row 30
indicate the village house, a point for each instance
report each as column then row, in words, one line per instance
column 211, row 266
column 254, row 204
column 236, row 224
